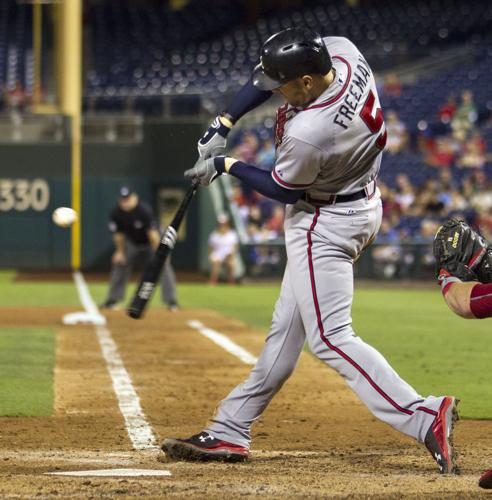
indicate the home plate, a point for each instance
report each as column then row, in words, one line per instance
column 113, row 473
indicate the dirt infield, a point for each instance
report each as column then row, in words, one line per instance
column 315, row 439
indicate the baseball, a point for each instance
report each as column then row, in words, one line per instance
column 64, row 216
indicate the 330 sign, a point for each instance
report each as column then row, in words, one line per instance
column 24, row 194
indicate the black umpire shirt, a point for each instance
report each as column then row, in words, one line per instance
column 134, row 224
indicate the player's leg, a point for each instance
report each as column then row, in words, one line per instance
column 320, row 256
column 120, row 273
column 237, row 412
column 230, row 264
column 215, row 265
column 168, row 286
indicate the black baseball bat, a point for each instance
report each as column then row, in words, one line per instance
column 154, row 267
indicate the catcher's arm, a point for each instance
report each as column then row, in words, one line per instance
column 458, row 297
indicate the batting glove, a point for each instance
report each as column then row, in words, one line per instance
column 213, row 142
column 204, row 171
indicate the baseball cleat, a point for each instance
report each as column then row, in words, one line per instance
column 203, row 448
column 439, row 438
column 485, row 480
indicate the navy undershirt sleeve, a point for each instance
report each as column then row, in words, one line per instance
column 248, row 98
column 259, row 180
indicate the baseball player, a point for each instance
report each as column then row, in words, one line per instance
column 329, row 134
column 464, row 271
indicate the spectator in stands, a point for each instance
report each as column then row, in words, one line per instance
column 241, row 202
column 478, row 181
column 387, row 254
column 397, row 133
column 255, row 216
column 392, row 85
column 457, row 203
column 390, row 203
column 223, row 248
column 16, row 97
column 247, row 149
column 266, row 155
column 447, row 111
column 481, row 199
column 465, row 117
column 442, row 154
column 405, row 193
column 428, row 229
column 445, row 186
column 428, row 201
column 275, row 223
column 266, row 206
column 473, row 152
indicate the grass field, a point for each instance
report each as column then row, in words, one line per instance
column 435, row 351
column 27, row 359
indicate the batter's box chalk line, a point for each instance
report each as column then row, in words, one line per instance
column 112, row 473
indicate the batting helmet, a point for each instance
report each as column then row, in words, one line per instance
column 289, row 54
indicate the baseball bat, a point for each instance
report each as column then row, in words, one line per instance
column 153, row 269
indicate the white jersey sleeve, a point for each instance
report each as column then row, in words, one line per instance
column 298, row 164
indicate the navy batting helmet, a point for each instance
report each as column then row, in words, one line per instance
column 289, row 54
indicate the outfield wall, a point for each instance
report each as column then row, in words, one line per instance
column 35, row 179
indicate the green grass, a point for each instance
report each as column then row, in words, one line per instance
column 40, row 293
column 27, row 359
column 431, row 348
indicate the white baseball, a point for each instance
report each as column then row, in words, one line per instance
column 64, row 216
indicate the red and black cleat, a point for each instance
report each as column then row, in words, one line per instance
column 439, row 438
column 485, row 480
column 203, row 448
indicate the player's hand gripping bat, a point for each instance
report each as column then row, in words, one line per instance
column 154, row 267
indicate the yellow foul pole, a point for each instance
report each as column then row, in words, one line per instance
column 37, row 46
column 70, row 58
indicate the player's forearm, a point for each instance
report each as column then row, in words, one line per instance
column 259, row 180
column 457, row 298
column 249, row 97
column 119, row 241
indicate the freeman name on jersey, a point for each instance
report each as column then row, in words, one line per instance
column 362, row 75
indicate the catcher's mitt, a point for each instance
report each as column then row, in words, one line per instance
column 462, row 252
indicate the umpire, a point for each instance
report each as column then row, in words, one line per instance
column 135, row 235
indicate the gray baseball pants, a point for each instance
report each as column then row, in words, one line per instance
column 315, row 306
column 120, row 274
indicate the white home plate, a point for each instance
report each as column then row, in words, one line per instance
column 113, row 473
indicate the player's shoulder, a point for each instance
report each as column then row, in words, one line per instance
column 301, row 138
column 340, row 46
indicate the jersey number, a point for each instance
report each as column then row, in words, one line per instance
column 374, row 123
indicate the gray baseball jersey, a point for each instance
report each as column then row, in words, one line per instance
column 331, row 146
